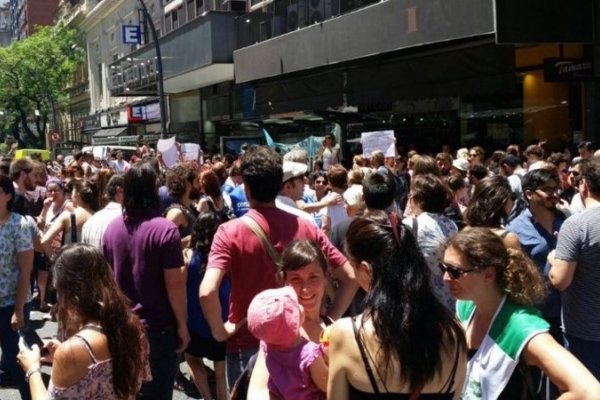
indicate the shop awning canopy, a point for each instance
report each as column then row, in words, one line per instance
column 110, row 132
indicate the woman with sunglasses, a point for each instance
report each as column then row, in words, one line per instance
column 490, row 206
column 497, row 288
column 405, row 343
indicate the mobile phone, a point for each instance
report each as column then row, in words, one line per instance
column 30, row 337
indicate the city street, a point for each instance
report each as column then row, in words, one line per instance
column 46, row 329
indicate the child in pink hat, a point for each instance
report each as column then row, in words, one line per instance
column 294, row 363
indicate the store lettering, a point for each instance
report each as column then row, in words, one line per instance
column 569, row 67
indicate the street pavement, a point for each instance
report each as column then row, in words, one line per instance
column 47, row 329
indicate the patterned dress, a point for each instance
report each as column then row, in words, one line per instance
column 433, row 230
column 97, row 384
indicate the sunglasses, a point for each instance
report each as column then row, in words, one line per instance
column 551, row 190
column 454, row 272
column 574, row 173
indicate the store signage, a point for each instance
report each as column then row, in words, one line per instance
column 143, row 112
column 568, row 69
column 131, row 34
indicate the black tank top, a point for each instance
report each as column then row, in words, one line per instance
column 356, row 394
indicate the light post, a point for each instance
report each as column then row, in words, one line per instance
column 159, row 69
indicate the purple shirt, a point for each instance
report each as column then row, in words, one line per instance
column 289, row 371
column 139, row 249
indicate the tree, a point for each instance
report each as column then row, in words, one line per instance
column 34, row 73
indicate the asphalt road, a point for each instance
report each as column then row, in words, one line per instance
column 47, row 329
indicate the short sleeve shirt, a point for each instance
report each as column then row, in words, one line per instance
column 15, row 237
column 139, row 250
column 579, row 241
column 237, row 251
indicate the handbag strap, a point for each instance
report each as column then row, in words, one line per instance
column 260, row 233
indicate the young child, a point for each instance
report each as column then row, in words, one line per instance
column 296, row 366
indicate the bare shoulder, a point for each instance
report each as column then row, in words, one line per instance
column 341, row 337
column 71, row 362
column 173, row 213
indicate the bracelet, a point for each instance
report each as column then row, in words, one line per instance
column 31, row 372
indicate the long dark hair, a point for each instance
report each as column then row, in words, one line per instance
column 410, row 323
column 140, row 189
column 87, row 292
column 204, row 230
column 486, row 207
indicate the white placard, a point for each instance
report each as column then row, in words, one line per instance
column 383, row 141
column 168, row 151
column 190, row 151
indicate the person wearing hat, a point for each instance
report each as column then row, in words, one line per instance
column 297, row 369
column 238, row 252
column 292, row 189
column 459, row 168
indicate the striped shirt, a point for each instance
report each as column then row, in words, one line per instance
column 579, row 241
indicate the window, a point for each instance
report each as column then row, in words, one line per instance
column 175, row 16
column 191, row 10
column 199, row 7
column 100, row 82
column 168, row 23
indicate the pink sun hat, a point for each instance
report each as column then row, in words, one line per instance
column 274, row 317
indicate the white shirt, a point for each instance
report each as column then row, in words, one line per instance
column 96, row 225
column 119, row 166
column 288, row 205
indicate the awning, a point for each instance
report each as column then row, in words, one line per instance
column 110, row 132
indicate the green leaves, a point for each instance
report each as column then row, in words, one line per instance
column 34, row 73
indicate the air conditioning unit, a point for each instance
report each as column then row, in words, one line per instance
column 235, row 5
column 319, row 10
column 296, row 16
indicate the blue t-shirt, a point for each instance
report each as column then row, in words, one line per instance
column 239, row 202
column 196, row 321
column 537, row 243
column 165, row 198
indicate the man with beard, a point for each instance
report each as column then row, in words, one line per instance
column 184, row 187
column 537, row 228
column 444, row 163
column 24, row 175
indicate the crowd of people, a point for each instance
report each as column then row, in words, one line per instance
column 439, row 276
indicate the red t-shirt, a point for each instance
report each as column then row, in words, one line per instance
column 237, row 250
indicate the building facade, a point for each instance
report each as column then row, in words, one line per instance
column 435, row 72
column 26, row 14
column 5, row 34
